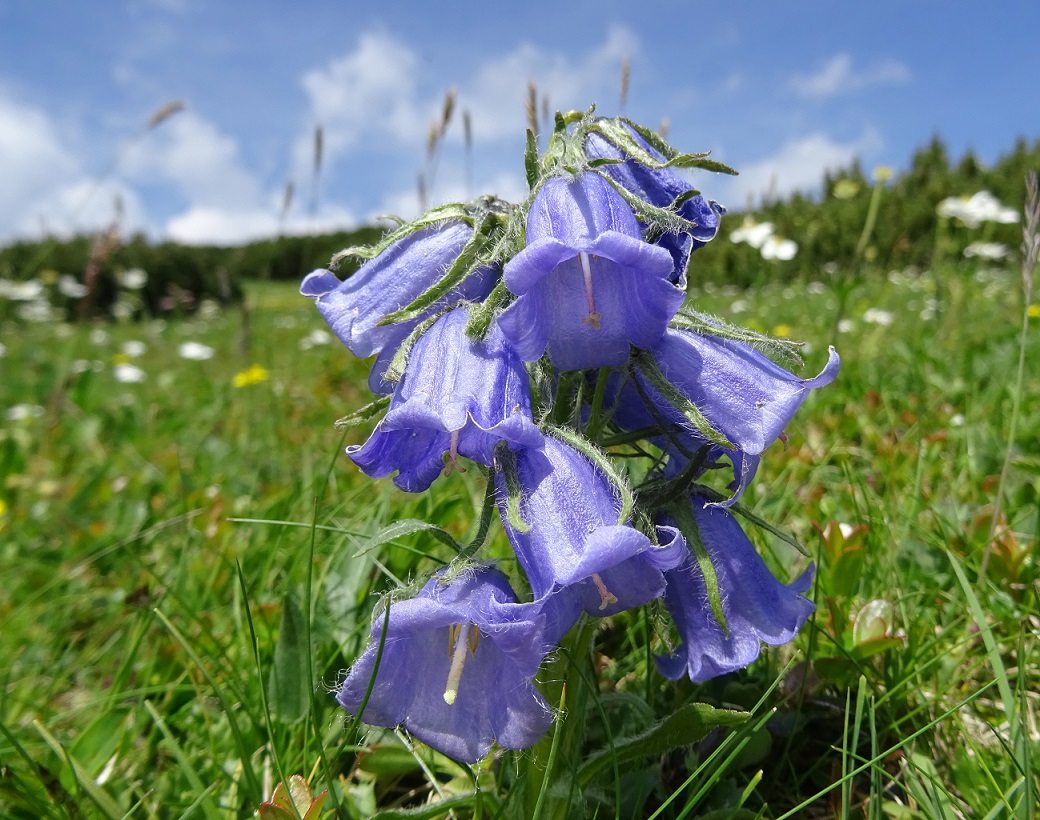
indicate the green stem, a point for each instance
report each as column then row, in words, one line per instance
column 562, row 674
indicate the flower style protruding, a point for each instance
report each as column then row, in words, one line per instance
column 587, row 285
column 458, row 396
column 456, row 666
column 757, row 607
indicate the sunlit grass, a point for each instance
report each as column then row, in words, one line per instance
column 169, row 544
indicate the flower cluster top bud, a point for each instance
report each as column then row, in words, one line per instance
column 531, row 339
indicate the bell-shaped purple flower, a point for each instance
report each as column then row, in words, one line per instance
column 574, row 541
column 757, row 608
column 660, row 187
column 458, row 396
column 457, row 667
column 587, row 285
column 743, row 395
column 353, row 308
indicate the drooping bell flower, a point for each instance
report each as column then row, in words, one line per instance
column 574, row 540
column 458, row 397
column 661, row 187
column 456, row 667
column 741, row 393
column 587, row 285
column 757, row 608
column 389, row 282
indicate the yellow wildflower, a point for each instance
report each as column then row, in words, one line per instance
column 254, row 375
column 1034, row 311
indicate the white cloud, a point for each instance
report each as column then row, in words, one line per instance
column 372, row 88
column 375, row 91
column 198, row 158
column 497, row 93
column 798, row 165
column 837, row 76
column 206, row 225
column 33, row 162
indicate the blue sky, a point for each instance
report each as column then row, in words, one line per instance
column 780, row 91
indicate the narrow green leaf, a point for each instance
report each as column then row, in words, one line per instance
column 403, row 528
column 108, row 806
column 209, row 808
column 481, row 316
column 682, row 728
column 289, row 685
column 442, row 808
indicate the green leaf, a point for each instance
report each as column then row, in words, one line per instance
column 388, row 760
column 403, row 528
column 682, row 728
column 442, row 808
column 289, row 684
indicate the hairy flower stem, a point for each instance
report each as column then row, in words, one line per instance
column 568, row 669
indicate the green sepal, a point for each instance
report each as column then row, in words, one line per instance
column 603, row 463
column 442, row 213
column 505, row 463
column 682, row 513
column 395, row 369
column 482, row 315
column 683, row 727
column 364, row 414
column 469, row 259
column 487, row 511
column 648, row 366
column 615, row 131
column 661, row 219
column 781, row 351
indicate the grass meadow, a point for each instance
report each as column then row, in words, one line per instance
column 189, row 562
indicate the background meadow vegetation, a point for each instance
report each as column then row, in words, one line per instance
column 189, row 562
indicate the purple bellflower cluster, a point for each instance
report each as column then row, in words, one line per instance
column 549, row 343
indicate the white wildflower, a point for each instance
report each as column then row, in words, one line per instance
column 993, row 251
column 753, row 233
column 196, row 351
column 877, row 316
column 315, row 338
column 20, row 412
column 134, row 279
column 774, row 247
column 128, row 373
column 71, row 287
column 134, row 348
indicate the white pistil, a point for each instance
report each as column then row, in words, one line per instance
column 451, row 458
column 606, row 597
column 461, row 637
column 593, row 318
